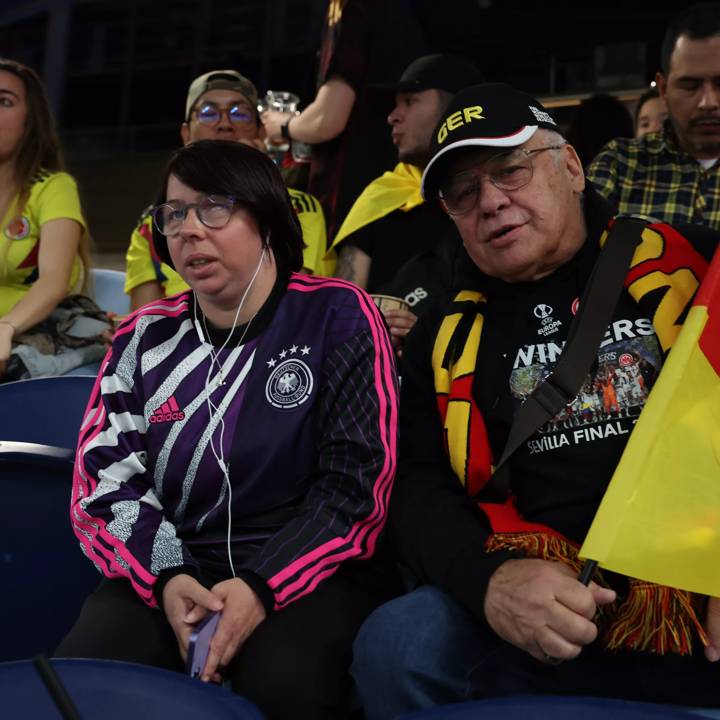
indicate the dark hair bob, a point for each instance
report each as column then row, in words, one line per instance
column 222, row 167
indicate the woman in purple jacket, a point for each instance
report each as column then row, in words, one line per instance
column 238, row 451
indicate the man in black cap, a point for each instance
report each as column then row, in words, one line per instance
column 389, row 223
column 500, row 609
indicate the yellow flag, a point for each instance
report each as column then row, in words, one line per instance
column 660, row 517
column 396, row 189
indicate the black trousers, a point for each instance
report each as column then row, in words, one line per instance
column 294, row 665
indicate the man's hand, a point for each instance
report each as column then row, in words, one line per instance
column 186, row 602
column 712, row 628
column 400, row 323
column 541, row 607
column 242, row 613
column 273, row 121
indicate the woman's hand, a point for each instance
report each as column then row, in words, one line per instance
column 242, row 613
column 6, row 336
column 186, row 602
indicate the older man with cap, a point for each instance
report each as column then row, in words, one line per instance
column 392, row 242
column 490, row 533
column 220, row 105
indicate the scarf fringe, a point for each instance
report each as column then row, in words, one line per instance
column 653, row 618
column 657, row 619
column 537, row 545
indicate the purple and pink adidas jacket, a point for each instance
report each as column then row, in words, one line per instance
column 306, row 410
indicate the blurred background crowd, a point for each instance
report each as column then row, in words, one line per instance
column 117, row 72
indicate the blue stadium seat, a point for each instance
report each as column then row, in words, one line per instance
column 45, row 575
column 44, row 410
column 117, row 691
column 570, row 707
column 109, row 290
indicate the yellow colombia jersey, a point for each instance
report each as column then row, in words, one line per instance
column 143, row 266
column 52, row 196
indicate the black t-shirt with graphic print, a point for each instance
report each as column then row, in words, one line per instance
column 560, row 474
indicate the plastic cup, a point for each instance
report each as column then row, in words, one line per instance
column 389, row 302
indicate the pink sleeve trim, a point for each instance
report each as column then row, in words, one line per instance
column 324, row 559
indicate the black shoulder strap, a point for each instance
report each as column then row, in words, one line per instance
column 586, row 332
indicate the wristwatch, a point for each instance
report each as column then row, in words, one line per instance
column 285, row 129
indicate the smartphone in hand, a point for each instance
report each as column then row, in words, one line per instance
column 199, row 645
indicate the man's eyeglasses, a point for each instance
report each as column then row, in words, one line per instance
column 507, row 171
column 213, row 211
column 210, row 114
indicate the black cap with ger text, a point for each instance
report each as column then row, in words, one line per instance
column 487, row 115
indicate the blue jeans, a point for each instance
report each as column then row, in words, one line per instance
column 424, row 649
column 415, row 652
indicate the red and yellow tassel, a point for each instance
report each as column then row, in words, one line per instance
column 653, row 618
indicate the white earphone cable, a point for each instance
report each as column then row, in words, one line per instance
column 212, row 408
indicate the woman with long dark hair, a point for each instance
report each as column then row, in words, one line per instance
column 43, row 236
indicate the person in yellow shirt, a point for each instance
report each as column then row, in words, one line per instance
column 221, row 105
column 43, row 235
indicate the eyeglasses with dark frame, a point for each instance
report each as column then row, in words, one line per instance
column 210, row 113
column 506, row 171
column 213, row 211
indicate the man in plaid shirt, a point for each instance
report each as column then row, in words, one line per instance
column 673, row 175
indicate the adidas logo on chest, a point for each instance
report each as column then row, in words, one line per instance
column 168, row 412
